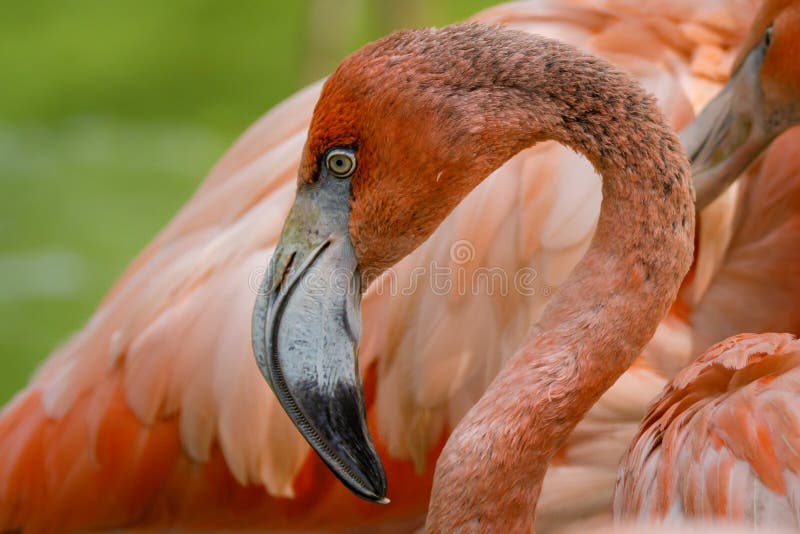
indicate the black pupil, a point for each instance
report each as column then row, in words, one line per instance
column 340, row 164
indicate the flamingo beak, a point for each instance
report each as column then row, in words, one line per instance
column 732, row 130
column 306, row 330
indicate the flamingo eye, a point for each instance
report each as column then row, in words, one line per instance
column 341, row 162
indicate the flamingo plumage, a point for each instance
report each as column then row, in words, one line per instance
column 167, row 355
column 719, row 444
column 721, row 441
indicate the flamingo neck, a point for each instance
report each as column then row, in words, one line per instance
column 490, row 473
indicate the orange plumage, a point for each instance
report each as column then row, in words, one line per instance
column 720, row 442
column 139, row 420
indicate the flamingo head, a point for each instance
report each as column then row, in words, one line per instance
column 403, row 130
column 760, row 101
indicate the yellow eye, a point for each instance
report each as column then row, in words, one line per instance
column 340, row 162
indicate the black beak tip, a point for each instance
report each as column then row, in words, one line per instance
column 374, row 489
column 349, row 451
column 376, row 482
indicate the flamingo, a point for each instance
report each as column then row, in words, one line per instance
column 721, row 440
column 759, row 103
column 508, row 90
column 176, row 380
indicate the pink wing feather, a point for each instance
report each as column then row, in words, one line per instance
column 720, row 443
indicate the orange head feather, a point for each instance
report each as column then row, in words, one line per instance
column 780, row 70
column 419, row 115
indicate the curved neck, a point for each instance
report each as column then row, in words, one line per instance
column 604, row 313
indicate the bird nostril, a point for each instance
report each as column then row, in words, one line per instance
column 289, row 266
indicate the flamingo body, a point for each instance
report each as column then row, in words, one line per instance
column 720, row 442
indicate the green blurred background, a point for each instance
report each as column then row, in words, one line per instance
column 111, row 112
